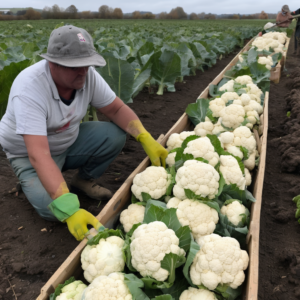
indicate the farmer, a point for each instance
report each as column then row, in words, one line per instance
column 297, row 32
column 284, row 17
column 42, row 136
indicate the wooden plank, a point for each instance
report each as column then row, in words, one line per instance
column 121, row 198
column 253, row 235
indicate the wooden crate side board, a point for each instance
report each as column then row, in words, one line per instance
column 253, row 236
column 122, row 196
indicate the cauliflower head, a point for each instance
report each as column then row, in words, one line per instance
column 197, row 294
column 72, row 291
column 216, row 106
column 244, row 137
column 250, row 162
column 202, row 147
column 153, row 180
column 109, row 287
column 253, row 105
column 267, row 61
column 199, row 177
column 134, row 214
column 248, row 177
column 219, row 261
column 175, row 140
column 149, row 245
column 173, row 202
column 245, row 99
column 254, row 92
column 204, row 128
column 170, row 160
column 231, row 171
column 229, row 96
column 227, row 87
column 201, row 218
column 233, row 212
column 245, row 79
column 103, row 259
column 232, row 115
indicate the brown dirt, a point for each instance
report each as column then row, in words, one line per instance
column 29, row 256
column 280, row 232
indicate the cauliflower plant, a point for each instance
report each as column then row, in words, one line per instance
column 231, row 171
column 199, row 177
column 149, row 245
column 232, row 115
column 204, row 128
column 197, row 294
column 201, row 218
column 219, row 261
column 103, row 259
column 109, row 287
column 233, row 211
column 153, row 181
column 72, row 291
column 202, row 147
column 175, row 140
column 134, row 214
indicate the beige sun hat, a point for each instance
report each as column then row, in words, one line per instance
column 285, row 8
column 72, row 46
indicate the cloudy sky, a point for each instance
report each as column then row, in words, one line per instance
column 157, row 6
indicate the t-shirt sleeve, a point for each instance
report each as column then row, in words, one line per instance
column 103, row 94
column 30, row 115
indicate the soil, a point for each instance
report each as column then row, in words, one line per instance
column 279, row 270
column 32, row 249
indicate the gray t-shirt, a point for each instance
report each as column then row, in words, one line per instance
column 34, row 108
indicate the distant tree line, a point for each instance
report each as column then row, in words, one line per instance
column 106, row 12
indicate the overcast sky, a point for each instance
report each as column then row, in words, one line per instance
column 157, row 6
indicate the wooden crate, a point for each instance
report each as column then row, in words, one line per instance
column 121, row 199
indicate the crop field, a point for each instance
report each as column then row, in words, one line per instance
column 159, row 68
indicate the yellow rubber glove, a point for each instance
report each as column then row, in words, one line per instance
column 156, row 152
column 77, row 223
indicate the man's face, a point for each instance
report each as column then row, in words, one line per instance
column 68, row 78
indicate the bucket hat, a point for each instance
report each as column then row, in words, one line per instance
column 72, row 46
column 285, row 8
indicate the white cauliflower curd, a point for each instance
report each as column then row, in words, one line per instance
column 267, row 61
column 244, row 137
column 199, row 177
column 229, row 96
column 227, row 87
column 231, row 171
column 103, row 259
column 245, row 79
column 202, row 147
column 134, row 214
column 175, row 140
column 197, row 294
column 216, row 106
column 109, row 287
column 204, row 128
column 173, row 202
column 153, row 181
column 201, row 218
column 72, row 291
column 232, row 115
column 219, row 261
column 170, row 160
column 149, row 245
column 233, row 212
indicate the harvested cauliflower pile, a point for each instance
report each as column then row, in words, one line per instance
column 103, row 259
column 72, row 291
column 202, row 147
column 134, row 214
column 267, row 42
column 175, row 140
column 109, row 287
column 233, row 211
column 149, row 245
column 201, row 218
column 219, row 261
column 197, row 294
column 232, row 172
column 199, row 177
column 153, row 181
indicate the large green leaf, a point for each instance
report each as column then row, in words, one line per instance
column 7, row 76
column 134, row 285
column 104, row 235
column 166, row 68
column 197, row 111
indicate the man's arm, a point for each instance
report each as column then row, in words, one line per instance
column 46, row 169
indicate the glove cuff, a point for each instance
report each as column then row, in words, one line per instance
column 64, row 206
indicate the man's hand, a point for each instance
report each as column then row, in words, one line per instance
column 156, row 152
column 77, row 223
